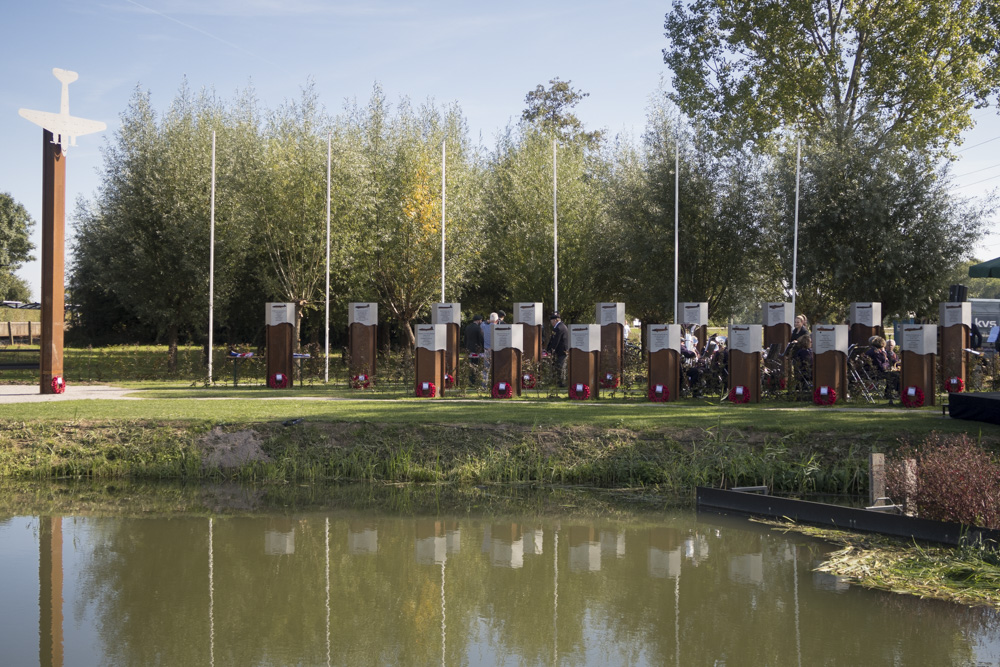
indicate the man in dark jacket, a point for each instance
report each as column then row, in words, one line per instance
column 558, row 346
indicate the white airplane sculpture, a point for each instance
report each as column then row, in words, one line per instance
column 64, row 128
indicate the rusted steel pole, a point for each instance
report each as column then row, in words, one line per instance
column 53, row 261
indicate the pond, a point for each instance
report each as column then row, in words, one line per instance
column 236, row 576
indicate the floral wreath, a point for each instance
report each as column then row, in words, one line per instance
column 609, row 381
column 913, row 397
column 739, row 394
column 503, row 390
column 277, row 381
column 449, row 381
column 58, row 384
column 527, row 381
column 579, row 392
column 658, row 393
column 426, row 389
column 361, row 381
column 824, row 396
column 955, row 385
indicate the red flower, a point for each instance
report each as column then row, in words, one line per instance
column 913, row 397
column 277, row 381
column 58, row 385
column 739, row 394
column 449, row 380
column 579, row 392
column 426, row 389
column 955, row 385
column 658, row 393
column 503, row 390
column 361, row 381
column 610, row 381
column 527, row 381
column 829, row 398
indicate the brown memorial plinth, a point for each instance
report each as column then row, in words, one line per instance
column 919, row 343
column 279, row 337
column 956, row 325
column 611, row 318
column 432, row 346
column 584, row 360
column 529, row 314
column 777, row 320
column 866, row 321
column 449, row 314
column 830, row 348
column 695, row 314
column 53, row 265
column 362, row 338
column 664, row 365
column 508, row 343
column 744, row 362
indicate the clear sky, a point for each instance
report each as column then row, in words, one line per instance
column 485, row 56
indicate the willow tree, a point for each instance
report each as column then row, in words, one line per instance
column 399, row 205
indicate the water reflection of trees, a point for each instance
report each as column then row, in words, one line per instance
column 404, row 590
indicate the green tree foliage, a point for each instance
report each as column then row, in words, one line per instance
column 15, row 248
column 398, row 257
column 907, row 71
column 875, row 225
column 550, row 110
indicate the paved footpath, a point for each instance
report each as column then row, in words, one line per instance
column 29, row 393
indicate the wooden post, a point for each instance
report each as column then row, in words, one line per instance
column 876, row 480
column 53, row 261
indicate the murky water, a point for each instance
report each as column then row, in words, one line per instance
column 466, row 586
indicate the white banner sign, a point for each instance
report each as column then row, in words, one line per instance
column 867, row 314
column 508, row 336
column 693, row 313
column 363, row 313
column 586, row 337
column 748, row 338
column 610, row 313
column 432, row 336
column 279, row 313
column 831, row 338
column 446, row 313
column 777, row 313
column 664, row 337
column 919, row 338
column 953, row 314
column 528, row 313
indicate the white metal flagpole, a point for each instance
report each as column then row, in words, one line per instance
column 677, row 214
column 211, row 267
column 326, row 368
column 795, row 241
column 443, row 202
column 555, row 233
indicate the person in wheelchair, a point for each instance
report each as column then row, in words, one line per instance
column 882, row 365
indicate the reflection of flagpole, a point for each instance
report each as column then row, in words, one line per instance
column 555, row 233
column 677, row 616
column 555, row 598
column 443, row 618
column 795, row 242
column 329, row 658
column 211, row 266
column 326, row 368
column 443, row 202
column 795, row 580
column 211, row 596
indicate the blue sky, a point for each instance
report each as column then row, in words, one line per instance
column 485, row 56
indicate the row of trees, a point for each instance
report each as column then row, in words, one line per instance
column 141, row 256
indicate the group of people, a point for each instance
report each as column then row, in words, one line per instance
column 479, row 342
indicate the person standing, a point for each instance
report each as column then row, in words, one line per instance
column 558, row 346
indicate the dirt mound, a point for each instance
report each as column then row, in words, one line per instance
column 231, row 450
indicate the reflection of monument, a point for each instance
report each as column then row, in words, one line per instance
column 533, row 542
column 506, row 545
column 584, row 549
column 613, row 544
column 279, row 543
column 664, row 556
column 696, row 549
column 435, row 540
column 362, row 538
column 747, row 569
column 50, row 592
